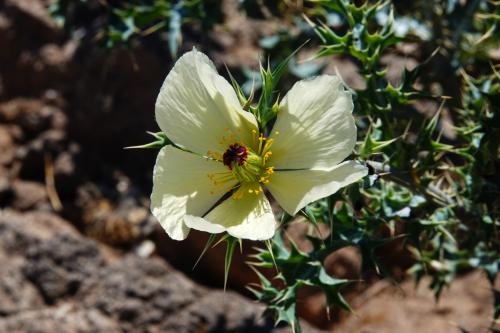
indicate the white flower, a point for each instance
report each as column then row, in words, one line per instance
column 223, row 151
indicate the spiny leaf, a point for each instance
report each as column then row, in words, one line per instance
column 230, row 246
column 209, row 242
column 161, row 141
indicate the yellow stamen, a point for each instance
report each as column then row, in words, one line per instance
column 249, row 172
column 267, row 155
column 261, row 139
column 254, row 136
column 267, row 146
column 219, row 178
column 214, row 155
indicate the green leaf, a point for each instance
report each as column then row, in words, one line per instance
column 230, row 246
column 160, row 142
column 209, row 242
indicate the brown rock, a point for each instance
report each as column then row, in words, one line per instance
column 7, row 147
column 123, row 223
column 30, row 226
column 35, row 10
column 16, row 293
column 85, row 290
column 57, row 57
column 467, row 303
column 67, row 174
column 348, row 70
column 344, row 263
column 28, row 194
column 31, row 157
column 58, row 266
column 396, row 65
column 138, row 292
column 32, row 115
column 216, row 310
column 6, row 193
column 62, row 318
column 19, row 232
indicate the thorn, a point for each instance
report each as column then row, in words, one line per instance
column 207, row 245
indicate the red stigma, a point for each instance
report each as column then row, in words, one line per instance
column 236, row 153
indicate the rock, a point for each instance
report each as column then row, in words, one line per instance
column 19, row 232
column 28, row 194
column 16, row 293
column 123, row 223
column 6, row 192
column 29, row 162
column 53, row 55
column 30, row 227
column 347, row 70
column 54, row 97
column 36, row 11
column 8, row 148
column 344, row 263
column 54, row 259
column 396, row 65
column 67, row 174
column 138, row 292
column 218, row 311
column 63, row 318
column 58, row 266
column 59, row 281
column 122, row 226
column 406, row 308
column 13, row 239
column 238, row 36
column 32, row 115
column 25, row 113
column 31, row 157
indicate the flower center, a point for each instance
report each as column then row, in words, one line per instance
column 245, row 165
column 235, row 154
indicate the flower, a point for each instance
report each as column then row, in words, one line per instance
column 216, row 181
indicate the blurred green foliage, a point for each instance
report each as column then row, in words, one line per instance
column 117, row 22
column 438, row 194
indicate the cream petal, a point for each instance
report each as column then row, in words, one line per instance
column 201, row 224
column 315, row 124
column 250, row 217
column 181, row 186
column 196, row 107
column 295, row 189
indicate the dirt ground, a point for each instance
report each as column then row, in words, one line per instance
column 80, row 251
